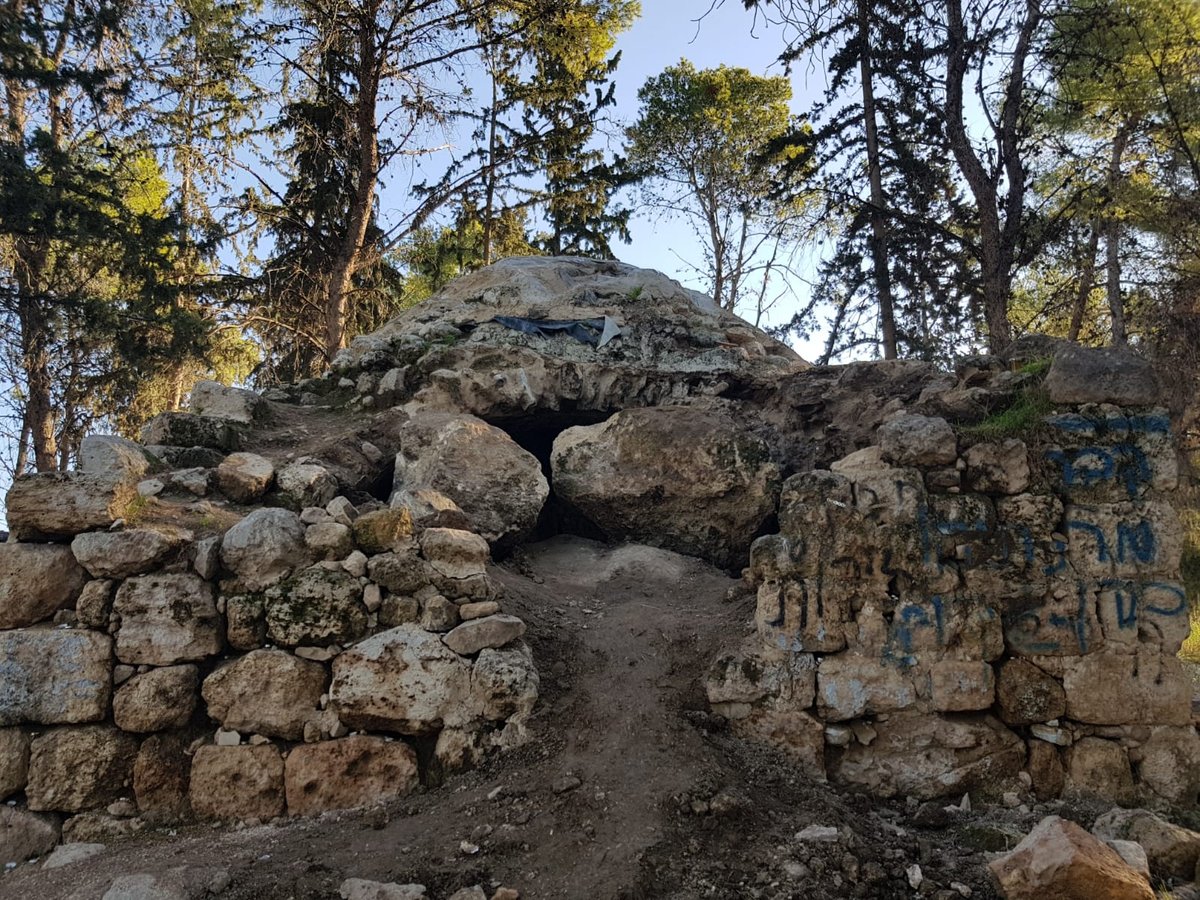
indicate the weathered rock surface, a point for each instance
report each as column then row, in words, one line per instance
column 1101, row 375
column 109, row 454
column 180, row 883
column 36, row 581
column 497, row 484
column 302, row 484
column 120, row 554
column 180, row 429
column 79, row 768
column 1059, row 859
column 403, row 680
column 232, row 783
column 348, row 773
column 914, row 440
column 383, row 530
column 159, row 699
column 14, row 761
column 1171, row 850
column 317, row 605
column 681, row 478
column 167, row 619
column 161, row 774
column 469, row 638
column 54, row 677
column 1027, row 694
column 24, row 834
column 455, row 553
column 264, row 547
column 61, row 505
column 213, row 399
column 362, row 889
column 267, row 692
column 245, row 477
column 505, row 683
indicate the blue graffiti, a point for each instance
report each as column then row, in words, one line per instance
column 1136, row 542
column 1143, row 423
column 905, row 625
column 1102, row 554
column 1124, row 464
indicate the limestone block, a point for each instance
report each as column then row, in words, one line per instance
column 926, row 755
column 120, row 554
column 803, row 616
column 454, row 553
column 1059, row 623
column 469, row 638
column 267, row 692
column 808, row 500
column 108, row 454
column 246, row 621
column 302, row 484
column 402, row 680
column 14, row 761
column 1059, row 859
column 54, row 677
column 1000, row 468
column 401, row 573
column 497, row 484
column 316, row 606
column 348, row 773
column 361, row 889
column 232, row 783
column 399, row 611
column 796, row 734
column 25, row 834
column 328, row 540
column 1100, row 769
column 438, row 614
column 1101, row 375
column 161, row 774
column 1046, row 770
column 180, row 429
column 167, row 619
column 210, row 398
column 961, row 685
column 430, row 509
column 1131, row 540
column 1118, row 688
column 1171, row 850
column 79, row 768
column 1168, row 766
column 1026, row 694
column 1153, row 612
column 264, row 547
column 852, row 686
column 245, row 477
column 157, row 700
column 912, row 440
column 469, row 611
column 751, row 675
column 1110, row 455
column 63, row 504
column 36, row 581
column 383, row 530
column 505, row 683
column 95, row 603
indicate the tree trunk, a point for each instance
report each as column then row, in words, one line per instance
column 350, row 253
column 1112, row 238
column 879, row 241
column 489, row 202
column 1087, row 281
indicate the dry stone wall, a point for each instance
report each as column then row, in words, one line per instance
column 941, row 612
column 289, row 663
column 280, row 604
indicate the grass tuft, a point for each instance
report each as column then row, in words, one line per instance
column 1023, row 417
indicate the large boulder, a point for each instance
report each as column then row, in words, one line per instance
column 60, row 505
column 215, row 400
column 245, row 477
column 266, row 692
column 499, row 486
column 403, row 680
column 25, row 834
column 180, row 429
column 317, row 605
column 109, row 454
column 167, row 619
column 36, row 581
column 161, row 698
column 1059, row 859
column 685, row 479
column 1171, row 850
column 1101, row 375
column 54, row 677
column 264, row 547
column 14, row 761
column 232, row 783
column 73, row 769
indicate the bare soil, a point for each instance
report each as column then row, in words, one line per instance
column 628, row 789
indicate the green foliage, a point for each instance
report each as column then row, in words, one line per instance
column 1022, row 418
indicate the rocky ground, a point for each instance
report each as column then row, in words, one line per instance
column 629, row 788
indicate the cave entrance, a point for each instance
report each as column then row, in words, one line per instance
column 535, row 434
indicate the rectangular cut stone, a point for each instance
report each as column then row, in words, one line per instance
column 1114, row 457
column 961, row 685
column 52, row 505
column 853, row 686
column 1061, row 624
column 166, row 619
column 54, row 676
column 348, row 773
column 1128, row 688
column 1154, row 612
column 803, row 616
column 1122, row 540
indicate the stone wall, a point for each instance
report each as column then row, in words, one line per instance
column 942, row 612
column 166, row 658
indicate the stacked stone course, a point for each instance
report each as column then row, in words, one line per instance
column 156, row 672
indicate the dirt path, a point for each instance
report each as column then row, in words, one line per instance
column 628, row 789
